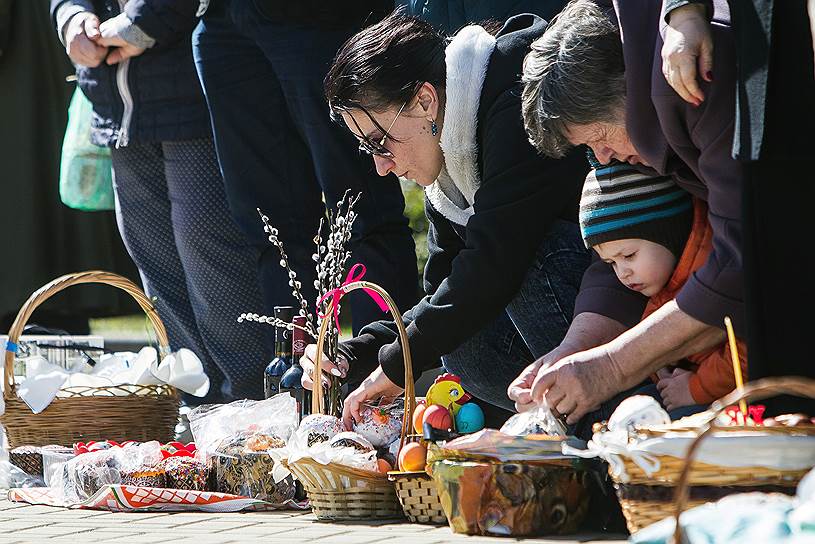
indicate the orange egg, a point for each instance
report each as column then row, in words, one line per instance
column 418, row 418
column 438, row 417
column 412, row 457
column 383, row 466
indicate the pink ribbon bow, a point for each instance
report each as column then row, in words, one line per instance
column 339, row 292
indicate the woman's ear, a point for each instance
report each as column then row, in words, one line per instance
column 428, row 99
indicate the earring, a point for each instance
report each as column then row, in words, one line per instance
column 434, row 128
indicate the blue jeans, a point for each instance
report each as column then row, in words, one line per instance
column 280, row 151
column 532, row 324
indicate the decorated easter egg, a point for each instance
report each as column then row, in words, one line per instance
column 412, row 457
column 470, row 418
column 438, row 417
column 418, row 417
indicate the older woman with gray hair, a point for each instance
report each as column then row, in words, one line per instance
column 584, row 84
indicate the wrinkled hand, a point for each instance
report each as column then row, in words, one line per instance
column 578, row 383
column 520, row 390
column 80, row 36
column 675, row 390
column 307, row 361
column 688, row 46
column 109, row 36
column 374, row 386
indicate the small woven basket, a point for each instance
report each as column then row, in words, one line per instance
column 418, row 496
column 416, row 490
column 339, row 492
column 647, row 499
column 125, row 412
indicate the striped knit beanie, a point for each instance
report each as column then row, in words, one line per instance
column 619, row 202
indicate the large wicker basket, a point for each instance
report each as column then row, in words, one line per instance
column 757, row 390
column 126, row 412
column 647, row 499
column 338, row 492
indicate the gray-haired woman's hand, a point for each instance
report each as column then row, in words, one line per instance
column 688, row 51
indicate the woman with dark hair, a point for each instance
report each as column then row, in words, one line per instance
column 585, row 85
column 505, row 253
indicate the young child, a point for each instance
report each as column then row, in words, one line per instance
column 655, row 236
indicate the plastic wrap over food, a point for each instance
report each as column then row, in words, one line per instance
column 511, row 499
column 84, row 475
column 319, row 428
column 216, row 424
column 13, row 476
column 245, row 465
column 381, row 421
column 490, row 444
column 537, row 421
column 350, row 450
column 141, row 464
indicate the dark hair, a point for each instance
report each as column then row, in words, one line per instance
column 383, row 65
column 574, row 75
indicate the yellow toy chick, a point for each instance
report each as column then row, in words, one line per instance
column 447, row 391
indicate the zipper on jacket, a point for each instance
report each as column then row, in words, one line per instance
column 123, row 136
column 122, row 70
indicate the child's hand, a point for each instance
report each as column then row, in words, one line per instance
column 675, row 390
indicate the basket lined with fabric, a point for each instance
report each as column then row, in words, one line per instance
column 122, row 412
column 340, row 492
column 648, row 496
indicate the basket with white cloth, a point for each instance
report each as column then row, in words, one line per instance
column 646, row 461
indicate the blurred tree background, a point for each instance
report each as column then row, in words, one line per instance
column 414, row 210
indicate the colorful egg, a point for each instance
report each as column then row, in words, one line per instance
column 418, row 418
column 413, row 457
column 470, row 418
column 438, row 417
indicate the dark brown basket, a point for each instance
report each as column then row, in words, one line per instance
column 127, row 412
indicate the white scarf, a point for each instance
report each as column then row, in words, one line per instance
column 467, row 57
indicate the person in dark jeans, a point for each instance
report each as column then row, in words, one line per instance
column 135, row 66
column 262, row 66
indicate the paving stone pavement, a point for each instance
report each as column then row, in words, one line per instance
column 26, row 523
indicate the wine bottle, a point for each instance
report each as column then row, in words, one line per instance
column 292, row 380
column 282, row 359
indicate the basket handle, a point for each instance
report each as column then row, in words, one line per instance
column 410, row 391
column 63, row 282
column 758, row 390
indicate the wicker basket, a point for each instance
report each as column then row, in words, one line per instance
column 761, row 389
column 647, row 499
column 127, row 412
column 339, row 492
column 416, row 490
column 418, row 496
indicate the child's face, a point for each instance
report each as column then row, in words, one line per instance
column 641, row 265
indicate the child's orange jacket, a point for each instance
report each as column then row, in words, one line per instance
column 713, row 374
